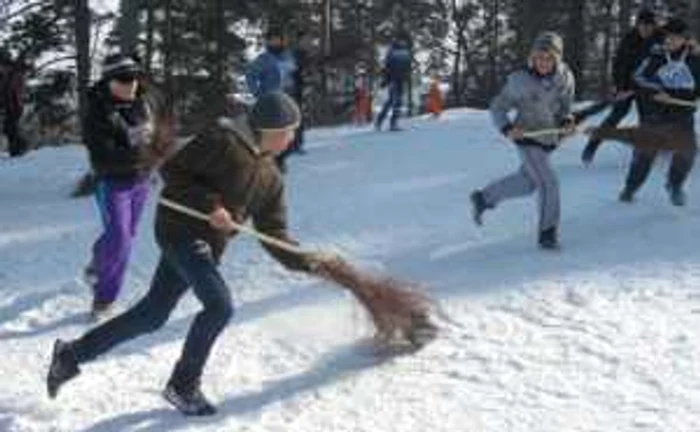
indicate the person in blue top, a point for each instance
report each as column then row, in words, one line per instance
column 274, row 69
column 277, row 69
column 397, row 69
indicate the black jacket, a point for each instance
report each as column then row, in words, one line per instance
column 630, row 53
column 118, row 135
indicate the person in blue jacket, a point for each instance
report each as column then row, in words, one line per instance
column 397, row 70
column 275, row 69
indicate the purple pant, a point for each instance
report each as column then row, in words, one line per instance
column 121, row 204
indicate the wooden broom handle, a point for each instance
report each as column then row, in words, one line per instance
column 240, row 227
column 543, row 132
column 678, row 102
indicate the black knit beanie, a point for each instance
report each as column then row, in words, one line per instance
column 275, row 111
column 116, row 65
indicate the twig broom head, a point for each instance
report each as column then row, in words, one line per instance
column 400, row 314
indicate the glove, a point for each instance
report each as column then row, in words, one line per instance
column 316, row 261
column 568, row 126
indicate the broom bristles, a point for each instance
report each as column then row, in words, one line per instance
column 400, row 314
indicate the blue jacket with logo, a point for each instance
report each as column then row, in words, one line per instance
column 677, row 74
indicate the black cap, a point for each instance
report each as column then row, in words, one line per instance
column 118, row 65
column 646, row 16
column 275, row 111
column 677, row 26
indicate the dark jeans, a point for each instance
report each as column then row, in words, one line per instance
column 183, row 264
column 642, row 161
column 296, row 146
column 393, row 102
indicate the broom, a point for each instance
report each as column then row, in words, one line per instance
column 400, row 314
column 647, row 137
column 578, row 117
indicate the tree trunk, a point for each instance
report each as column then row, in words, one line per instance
column 493, row 57
column 150, row 30
column 168, row 53
column 607, row 52
column 128, row 26
column 82, row 44
column 575, row 48
column 624, row 16
column 326, row 23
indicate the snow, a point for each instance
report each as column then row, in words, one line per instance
column 603, row 336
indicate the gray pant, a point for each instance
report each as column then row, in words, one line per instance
column 535, row 173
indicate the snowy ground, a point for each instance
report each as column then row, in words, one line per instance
column 600, row 337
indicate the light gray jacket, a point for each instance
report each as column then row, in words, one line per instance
column 539, row 102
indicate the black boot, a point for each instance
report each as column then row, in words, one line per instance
column 549, row 239
column 677, row 195
column 188, row 398
column 589, row 152
column 626, row 196
column 479, row 206
column 64, row 366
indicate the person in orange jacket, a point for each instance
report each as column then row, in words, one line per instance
column 362, row 112
column 433, row 102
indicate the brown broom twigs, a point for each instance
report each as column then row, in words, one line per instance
column 399, row 312
column 646, row 137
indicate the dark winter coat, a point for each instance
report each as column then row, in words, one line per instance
column 224, row 166
column 630, row 53
column 397, row 64
column 118, row 135
column 677, row 74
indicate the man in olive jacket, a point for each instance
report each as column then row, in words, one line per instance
column 229, row 173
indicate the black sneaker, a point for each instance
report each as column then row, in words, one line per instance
column 626, row 196
column 64, row 366
column 101, row 310
column 549, row 239
column 677, row 196
column 90, row 277
column 479, row 206
column 189, row 401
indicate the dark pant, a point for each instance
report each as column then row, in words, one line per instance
column 295, row 146
column 642, row 161
column 16, row 144
column 183, row 264
column 619, row 111
column 394, row 103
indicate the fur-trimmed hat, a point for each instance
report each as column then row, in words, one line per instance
column 549, row 42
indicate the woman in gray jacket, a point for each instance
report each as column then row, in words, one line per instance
column 541, row 95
